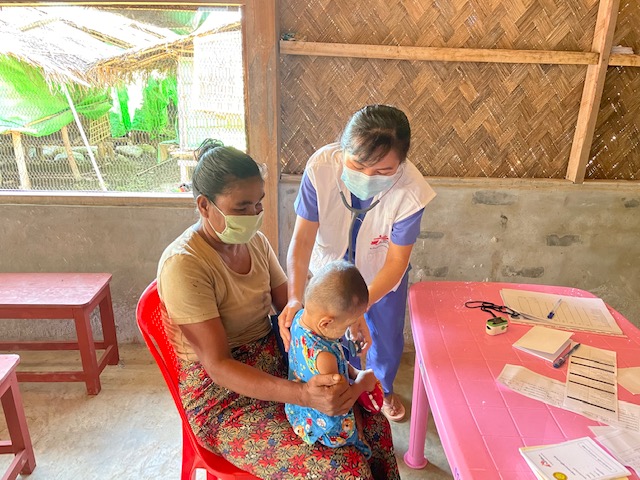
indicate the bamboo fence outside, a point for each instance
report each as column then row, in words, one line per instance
column 492, row 88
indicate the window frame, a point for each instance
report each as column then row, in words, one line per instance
column 260, row 34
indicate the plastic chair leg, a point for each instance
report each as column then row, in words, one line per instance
column 188, row 458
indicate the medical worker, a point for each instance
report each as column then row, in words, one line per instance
column 361, row 200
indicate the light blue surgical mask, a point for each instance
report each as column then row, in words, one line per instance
column 364, row 186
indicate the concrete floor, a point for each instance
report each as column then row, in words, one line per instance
column 131, row 430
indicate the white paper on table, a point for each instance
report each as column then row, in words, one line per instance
column 622, row 444
column 629, row 378
column 550, row 391
column 592, row 386
column 574, row 313
column 533, row 385
column 579, row 459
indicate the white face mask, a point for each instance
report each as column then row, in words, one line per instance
column 364, row 186
column 239, row 228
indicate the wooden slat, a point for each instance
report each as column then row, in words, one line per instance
column 437, row 54
column 25, row 181
column 621, row 60
column 67, row 146
column 262, row 104
column 592, row 91
column 44, row 346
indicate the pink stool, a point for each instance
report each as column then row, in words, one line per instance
column 20, row 443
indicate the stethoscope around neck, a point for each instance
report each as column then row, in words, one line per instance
column 354, row 216
column 355, row 212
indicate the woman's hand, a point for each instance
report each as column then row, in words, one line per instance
column 285, row 319
column 330, row 394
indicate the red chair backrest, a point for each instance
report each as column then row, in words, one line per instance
column 150, row 323
column 149, row 316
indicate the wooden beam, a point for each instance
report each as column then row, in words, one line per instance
column 437, row 54
column 67, row 146
column 622, row 60
column 592, row 91
column 261, row 59
column 18, row 149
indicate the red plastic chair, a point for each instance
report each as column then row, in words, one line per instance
column 194, row 456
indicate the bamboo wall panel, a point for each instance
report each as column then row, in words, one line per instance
column 627, row 33
column 468, row 119
column 517, row 24
column 615, row 152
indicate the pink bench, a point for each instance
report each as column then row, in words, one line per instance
column 20, row 444
column 63, row 296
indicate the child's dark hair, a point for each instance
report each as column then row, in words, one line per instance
column 375, row 130
column 218, row 167
column 338, row 287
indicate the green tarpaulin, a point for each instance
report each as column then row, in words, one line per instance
column 158, row 97
column 29, row 106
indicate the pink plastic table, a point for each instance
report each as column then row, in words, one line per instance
column 20, row 444
column 69, row 296
column 482, row 423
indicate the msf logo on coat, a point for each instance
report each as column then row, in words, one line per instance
column 381, row 241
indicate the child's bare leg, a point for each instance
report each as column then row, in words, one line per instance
column 359, row 423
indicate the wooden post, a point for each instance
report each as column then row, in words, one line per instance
column 261, row 58
column 67, row 147
column 25, row 182
column 84, row 138
column 592, row 91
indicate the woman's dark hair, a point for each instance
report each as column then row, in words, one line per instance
column 375, row 130
column 218, row 167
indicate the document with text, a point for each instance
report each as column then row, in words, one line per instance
column 573, row 313
column 550, row 391
column 592, row 387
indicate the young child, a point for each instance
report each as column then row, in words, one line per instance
column 334, row 300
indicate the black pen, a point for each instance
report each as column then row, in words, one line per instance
column 560, row 361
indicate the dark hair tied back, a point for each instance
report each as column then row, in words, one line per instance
column 206, row 145
column 375, row 130
column 219, row 167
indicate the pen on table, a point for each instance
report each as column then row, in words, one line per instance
column 560, row 361
column 552, row 313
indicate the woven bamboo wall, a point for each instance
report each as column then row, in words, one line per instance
column 468, row 119
column 615, row 153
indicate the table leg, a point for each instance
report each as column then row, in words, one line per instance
column 21, row 445
column 414, row 458
column 109, row 327
column 87, row 348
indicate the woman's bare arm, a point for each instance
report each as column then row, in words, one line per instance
column 391, row 272
column 279, row 296
column 326, row 393
column 298, row 258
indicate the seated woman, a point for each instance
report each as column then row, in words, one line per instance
column 217, row 282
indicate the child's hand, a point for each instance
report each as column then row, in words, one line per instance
column 366, row 379
column 361, row 330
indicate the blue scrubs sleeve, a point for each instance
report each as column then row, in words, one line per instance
column 405, row 232
column 306, row 203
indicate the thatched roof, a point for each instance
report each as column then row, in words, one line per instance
column 64, row 42
column 160, row 56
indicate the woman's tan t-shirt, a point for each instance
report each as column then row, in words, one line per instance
column 195, row 285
